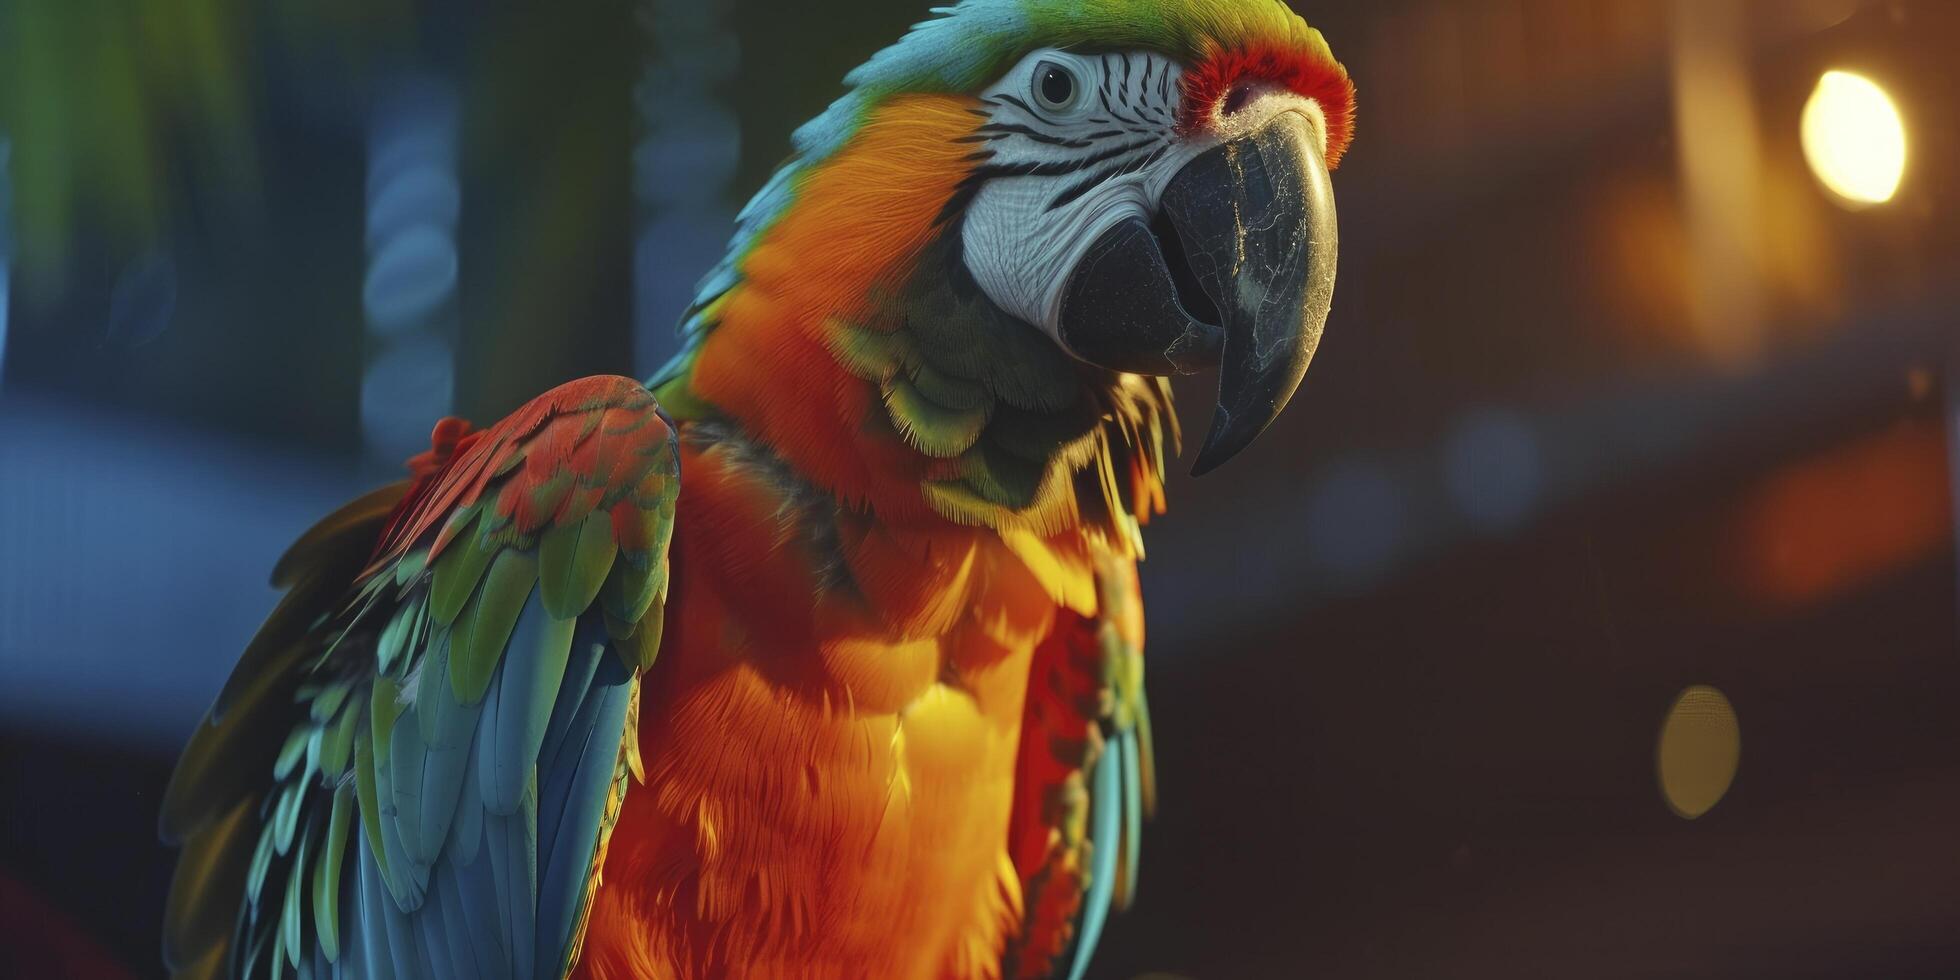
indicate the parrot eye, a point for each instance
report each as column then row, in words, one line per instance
column 1055, row 87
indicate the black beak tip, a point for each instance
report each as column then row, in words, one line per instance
column 1229, row 435
column 1208, row 461
column 1221, row 443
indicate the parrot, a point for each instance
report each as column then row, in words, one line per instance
column 818, row 653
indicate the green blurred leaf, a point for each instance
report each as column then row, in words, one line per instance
column 112, row 106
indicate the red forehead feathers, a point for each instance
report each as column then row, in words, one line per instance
column 1320, row 79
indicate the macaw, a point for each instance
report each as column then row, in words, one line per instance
column 820, row 653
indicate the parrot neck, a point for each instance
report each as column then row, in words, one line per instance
column 1018, row 434
column 938, row 407
column 857, row 347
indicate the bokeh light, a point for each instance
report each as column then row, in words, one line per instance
column 1492, row 469
column 1845, row 518
column 1854, row 138
column 1700, row 747
column 414, row 203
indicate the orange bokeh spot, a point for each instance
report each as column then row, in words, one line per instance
column 1832, row 522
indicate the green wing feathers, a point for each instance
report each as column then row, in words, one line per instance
column 418, row 759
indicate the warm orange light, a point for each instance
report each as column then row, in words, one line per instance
column 1832, row 522
column 1854, row 138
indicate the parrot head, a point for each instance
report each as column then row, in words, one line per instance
column 1161, row 215
column 1021, row 200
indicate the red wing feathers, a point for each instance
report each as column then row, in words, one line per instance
column 595, row 443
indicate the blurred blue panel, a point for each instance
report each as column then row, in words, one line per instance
column 693, row 43
column 696, row 151
column 143, row 301
column 6, row 248
column 673, row 253
column 135, row 566
column 682, row 166
column 407, row 387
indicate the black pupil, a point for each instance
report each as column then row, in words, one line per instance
column 1056, row 86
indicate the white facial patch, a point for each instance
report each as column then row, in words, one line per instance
column 1076, row 143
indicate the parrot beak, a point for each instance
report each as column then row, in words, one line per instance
column 1237, row 271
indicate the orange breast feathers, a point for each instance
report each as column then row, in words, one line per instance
column 852, row 232
column 830, row 736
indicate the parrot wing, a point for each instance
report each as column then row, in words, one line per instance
column 1084, row 782
column 415, row 767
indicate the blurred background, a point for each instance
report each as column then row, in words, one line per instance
column 1592, row 613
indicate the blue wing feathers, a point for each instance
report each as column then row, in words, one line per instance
column 507, row 891
column 396, row 944
column 562, row 880
column 533, row 669
column 489, row 816
column 406, row 751
column 455, row 926
column 1132, row 816
column 476, row 891
column 567, row 744
column 466, row 834
column 445, row 760
column 432, row 930
column 487, row 727
column 418, row 934
column 1105, row 818
column 405, row 881
column 588, row 645
column 513, row 844
column 371, row 939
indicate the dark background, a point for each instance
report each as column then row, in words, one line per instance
column 1615, row 399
